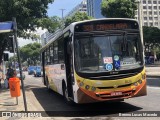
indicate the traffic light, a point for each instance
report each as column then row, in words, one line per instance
column 11, row 44
column 5, row 56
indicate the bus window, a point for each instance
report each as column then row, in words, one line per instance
column 51, row 53
column 55, row 53
column 61, row 50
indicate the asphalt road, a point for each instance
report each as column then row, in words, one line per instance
column 51, row 101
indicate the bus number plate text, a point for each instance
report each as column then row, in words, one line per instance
column 116, row 93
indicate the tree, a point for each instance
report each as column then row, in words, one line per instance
column 51, row 23
column 27, row 12
column 30, row 53
column 151, row 37
column 119, row 8
column 77, row 17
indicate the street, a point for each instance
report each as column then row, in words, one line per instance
column 51, row 101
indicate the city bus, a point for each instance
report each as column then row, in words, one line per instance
column 96, row 60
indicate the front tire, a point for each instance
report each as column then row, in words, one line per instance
column 65, row 95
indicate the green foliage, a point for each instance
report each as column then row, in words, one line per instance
column 51, row 23
column 27, row 12
column 30, row 53
column 151, row 35
column 77, row 17
column 119, row 8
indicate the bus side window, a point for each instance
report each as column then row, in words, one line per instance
column 55, row 52
column 61, row 50
column 51, row 54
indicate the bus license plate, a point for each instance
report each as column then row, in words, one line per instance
column 116, row 93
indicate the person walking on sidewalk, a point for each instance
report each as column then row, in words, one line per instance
column 10, row 73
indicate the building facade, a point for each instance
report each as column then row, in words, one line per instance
column 150, row 11
column 94, row 8
column 82, row 7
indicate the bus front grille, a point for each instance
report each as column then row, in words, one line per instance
column 108, row 95
column 111, row 87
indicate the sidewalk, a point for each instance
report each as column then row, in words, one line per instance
column 8, row 103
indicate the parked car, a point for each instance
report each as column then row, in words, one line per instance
column 31, row 70
column 18, row 74
column 37, row 71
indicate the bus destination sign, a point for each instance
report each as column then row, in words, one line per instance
column 105, row 26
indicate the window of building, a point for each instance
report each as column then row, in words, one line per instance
column 159, row 7
column 155, row 12
column 145, row 24
column 145, row 12
column 144, row 2
column 156, row 23
column 149, row 7
column 155, row 7
column 154, row 2
column 150, row 18
column 158, row 2
column 150, row 12
column 145, row 18
column 144, row 7
column 151, row 24
column 149, row 2
column 156, row 18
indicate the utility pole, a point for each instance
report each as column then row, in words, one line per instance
column 62, row 12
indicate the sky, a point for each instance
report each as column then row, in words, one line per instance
column 68, row 5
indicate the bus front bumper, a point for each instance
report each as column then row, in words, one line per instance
column 85, row 96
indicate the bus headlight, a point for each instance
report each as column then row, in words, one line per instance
column 87, row 87
column 81, row 84
column 140, row 81
column 93, row 88
column 135, row 84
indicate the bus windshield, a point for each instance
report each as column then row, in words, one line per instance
column 102, row 53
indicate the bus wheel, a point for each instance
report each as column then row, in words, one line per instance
column 65, row 95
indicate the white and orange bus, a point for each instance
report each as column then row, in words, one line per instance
column 96, row 60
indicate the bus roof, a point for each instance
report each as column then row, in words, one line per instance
column 71, row 28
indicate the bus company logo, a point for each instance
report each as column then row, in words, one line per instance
column 115, row 86
column 6, row 114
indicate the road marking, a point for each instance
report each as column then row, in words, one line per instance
column 153, row 87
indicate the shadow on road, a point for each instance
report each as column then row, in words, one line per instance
column 54, row 105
